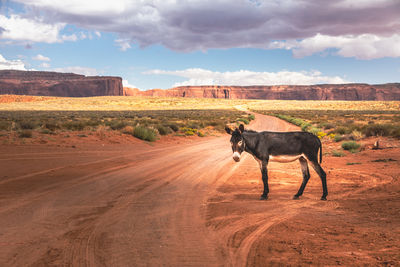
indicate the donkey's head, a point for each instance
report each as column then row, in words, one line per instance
column 237, row 141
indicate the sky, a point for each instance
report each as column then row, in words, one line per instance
column 168, row 43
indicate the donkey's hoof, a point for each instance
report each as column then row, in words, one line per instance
column 323, row 198
column 296, row 197
column 263, row 197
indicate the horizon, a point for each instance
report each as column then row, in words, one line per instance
column 162, row 45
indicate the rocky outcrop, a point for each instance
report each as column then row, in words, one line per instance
column 43, row 83
column 390, row 91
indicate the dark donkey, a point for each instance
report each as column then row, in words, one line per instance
column 280, row 147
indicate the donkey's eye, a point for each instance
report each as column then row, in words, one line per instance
column 240, row 143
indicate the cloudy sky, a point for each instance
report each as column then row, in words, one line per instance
column 166, row 43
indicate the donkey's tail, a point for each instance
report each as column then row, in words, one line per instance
column 320, row 151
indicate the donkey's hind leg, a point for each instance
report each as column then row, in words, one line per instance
column 306, row 177
column 322, row 175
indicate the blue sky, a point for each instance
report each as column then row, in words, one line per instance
column 161, row 44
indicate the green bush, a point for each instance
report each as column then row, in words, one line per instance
column 244, row 120
column 162, row 130
column 350, row 145
column 251, row 117
column 145, row 133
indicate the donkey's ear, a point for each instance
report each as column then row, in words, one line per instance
column 228, row 130
column 241, row 128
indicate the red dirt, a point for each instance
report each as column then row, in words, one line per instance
column 190, row 204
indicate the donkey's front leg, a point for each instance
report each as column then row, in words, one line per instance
column 264, row 173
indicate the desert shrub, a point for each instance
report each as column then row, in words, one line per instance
column 27, row 125
column 321, row 134
column 350, row 146
column 163, row 130
column 314, row 130
column 128, row 130
column 357, row 135
column 188, row 131
column 52, row 126
column 116, row 124
column 145, row 133
column 251, row 117
column 73, row 125
column 25, row 134
column 212, row 123
column 244, row 120
column 5, row 125
column 305, row 126
column 174, row 127
column 377, row 129
column 338, row 137
column 201, row 134
column 337, row 153
column 46, row 131
column 194, row 126
column 328, row 126
column 341, row 130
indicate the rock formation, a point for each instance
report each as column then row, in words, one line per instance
column 43, row 83
column 390, row 91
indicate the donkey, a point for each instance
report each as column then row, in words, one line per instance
column 280, row 147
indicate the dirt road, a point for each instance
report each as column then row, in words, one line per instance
column 189, row 204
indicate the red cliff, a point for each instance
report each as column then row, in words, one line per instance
column 43, row 83
column 390, row 91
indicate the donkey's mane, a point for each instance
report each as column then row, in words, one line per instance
column 251, row 131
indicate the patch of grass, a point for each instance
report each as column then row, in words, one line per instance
column 350, row 146
column 353, row 163
column 336, row 153
column 338, row 138
column 251, row 117
column 384, row 160
column 145, row 134
column 244, row 120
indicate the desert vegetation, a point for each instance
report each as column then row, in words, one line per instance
column 344, row 124
column 146, row 125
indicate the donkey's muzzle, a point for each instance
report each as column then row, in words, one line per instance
column 236, row 156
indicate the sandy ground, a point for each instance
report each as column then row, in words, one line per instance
column 185, row 202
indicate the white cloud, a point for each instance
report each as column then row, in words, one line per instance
column 98, row 34
column 125, row 83
column 123, row 44
column 78, row 70
column 245, row 78
column 11, row 64
column 41, row 58
column 17, row 28
column 45, row 65
column 365, row 46
column 201, row 25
